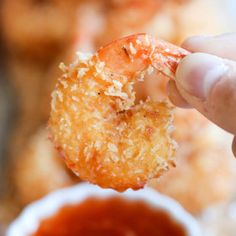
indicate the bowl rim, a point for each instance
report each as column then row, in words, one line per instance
column 29, row 219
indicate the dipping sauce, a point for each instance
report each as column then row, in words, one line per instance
column 110, row 216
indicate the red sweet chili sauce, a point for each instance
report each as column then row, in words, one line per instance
column 113, row 217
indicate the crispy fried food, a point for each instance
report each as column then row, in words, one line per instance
column 38, row 28
column 39, row 169
column 104, row 137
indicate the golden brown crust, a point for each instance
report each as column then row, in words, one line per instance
column 102, row 135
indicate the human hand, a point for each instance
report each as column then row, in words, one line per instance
column 206, row 80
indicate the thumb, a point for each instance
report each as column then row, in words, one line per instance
column 208, row 83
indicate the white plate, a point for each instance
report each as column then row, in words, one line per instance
column 29, row 220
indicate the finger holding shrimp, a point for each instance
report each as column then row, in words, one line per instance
column 102, row 135
column 208, row 82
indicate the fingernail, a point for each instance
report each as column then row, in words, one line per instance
column 199, row 72
column 234, row 147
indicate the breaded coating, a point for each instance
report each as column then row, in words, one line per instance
column 104, row 137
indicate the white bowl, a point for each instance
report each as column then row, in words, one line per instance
column 29, row 220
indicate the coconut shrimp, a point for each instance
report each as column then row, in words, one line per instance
column 40, row 29
column 102, row 134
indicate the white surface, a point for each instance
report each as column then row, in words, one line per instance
column 29, row 220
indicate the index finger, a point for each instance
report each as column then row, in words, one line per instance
column 222, row 45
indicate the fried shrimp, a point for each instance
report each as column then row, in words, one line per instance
column 102, row 134
column 40, row 28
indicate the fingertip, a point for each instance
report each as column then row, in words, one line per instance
column 221, row 45
column 175, row 96
column 197, row 73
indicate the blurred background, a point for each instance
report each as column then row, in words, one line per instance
column 36, row 35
